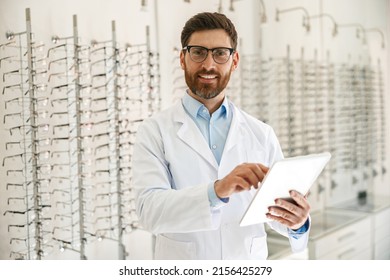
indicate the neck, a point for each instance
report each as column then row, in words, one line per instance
column 211, row 104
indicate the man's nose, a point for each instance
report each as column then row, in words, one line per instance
column 209, row 61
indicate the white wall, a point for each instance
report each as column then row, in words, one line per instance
column 166, row 19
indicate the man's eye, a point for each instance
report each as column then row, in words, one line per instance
column 220, row 52
column 197, row 52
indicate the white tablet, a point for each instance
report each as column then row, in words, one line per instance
column 295, row 173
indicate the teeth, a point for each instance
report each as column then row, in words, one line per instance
column 208, row 76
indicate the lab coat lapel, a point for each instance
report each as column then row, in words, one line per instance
column 234, row 151
column 190, row 134
column 236, row 131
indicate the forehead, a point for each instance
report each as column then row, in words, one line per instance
column 210, row 38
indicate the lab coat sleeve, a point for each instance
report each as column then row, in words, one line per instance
column 297, row 244
column 159, row 206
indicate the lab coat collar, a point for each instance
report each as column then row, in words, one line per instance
column 190, row 134
column 194, row 107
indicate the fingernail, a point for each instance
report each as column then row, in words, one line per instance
column 271, row 211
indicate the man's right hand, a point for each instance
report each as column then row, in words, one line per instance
column 243, row 177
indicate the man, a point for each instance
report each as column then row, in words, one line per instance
column 197, row 164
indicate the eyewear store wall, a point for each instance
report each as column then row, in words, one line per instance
column 77, row 81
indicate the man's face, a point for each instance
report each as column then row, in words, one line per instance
column 208, row 79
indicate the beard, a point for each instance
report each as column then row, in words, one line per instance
column 206, row 91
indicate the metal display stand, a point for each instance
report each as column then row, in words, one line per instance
column 321, row 106
column 77, row 114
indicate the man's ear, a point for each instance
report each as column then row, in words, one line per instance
column 236, row 59
column 182, row 64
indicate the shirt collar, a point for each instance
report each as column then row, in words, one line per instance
column 194, row 107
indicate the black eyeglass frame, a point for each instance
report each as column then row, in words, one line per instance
column 188, row 48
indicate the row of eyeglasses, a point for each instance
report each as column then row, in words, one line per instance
column 70, row 138
column 315, row 106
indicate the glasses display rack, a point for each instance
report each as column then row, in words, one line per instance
column 66, row 71
column 382, row 119
column 72, row 111
column 27, row 153
column 251, row 76
column 178, row 82
column 317, row 106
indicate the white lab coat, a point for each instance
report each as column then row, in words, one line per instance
column 172, row 169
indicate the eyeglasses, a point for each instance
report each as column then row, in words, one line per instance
column 199, row 54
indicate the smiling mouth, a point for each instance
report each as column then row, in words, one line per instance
column 208, row 77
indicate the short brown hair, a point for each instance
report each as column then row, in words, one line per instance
column 208, row 21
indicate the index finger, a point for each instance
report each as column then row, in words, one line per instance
column 259, row 170
column 264, row 168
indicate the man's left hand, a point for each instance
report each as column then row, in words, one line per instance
column 292, row 212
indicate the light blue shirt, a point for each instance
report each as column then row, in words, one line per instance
column 215, row 129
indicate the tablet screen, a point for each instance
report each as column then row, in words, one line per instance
column 295, row 173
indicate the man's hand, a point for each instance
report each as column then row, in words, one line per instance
column 241, row 178
column 292, row 212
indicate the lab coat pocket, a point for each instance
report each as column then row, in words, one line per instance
column 169, row 249
column 259, row 248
